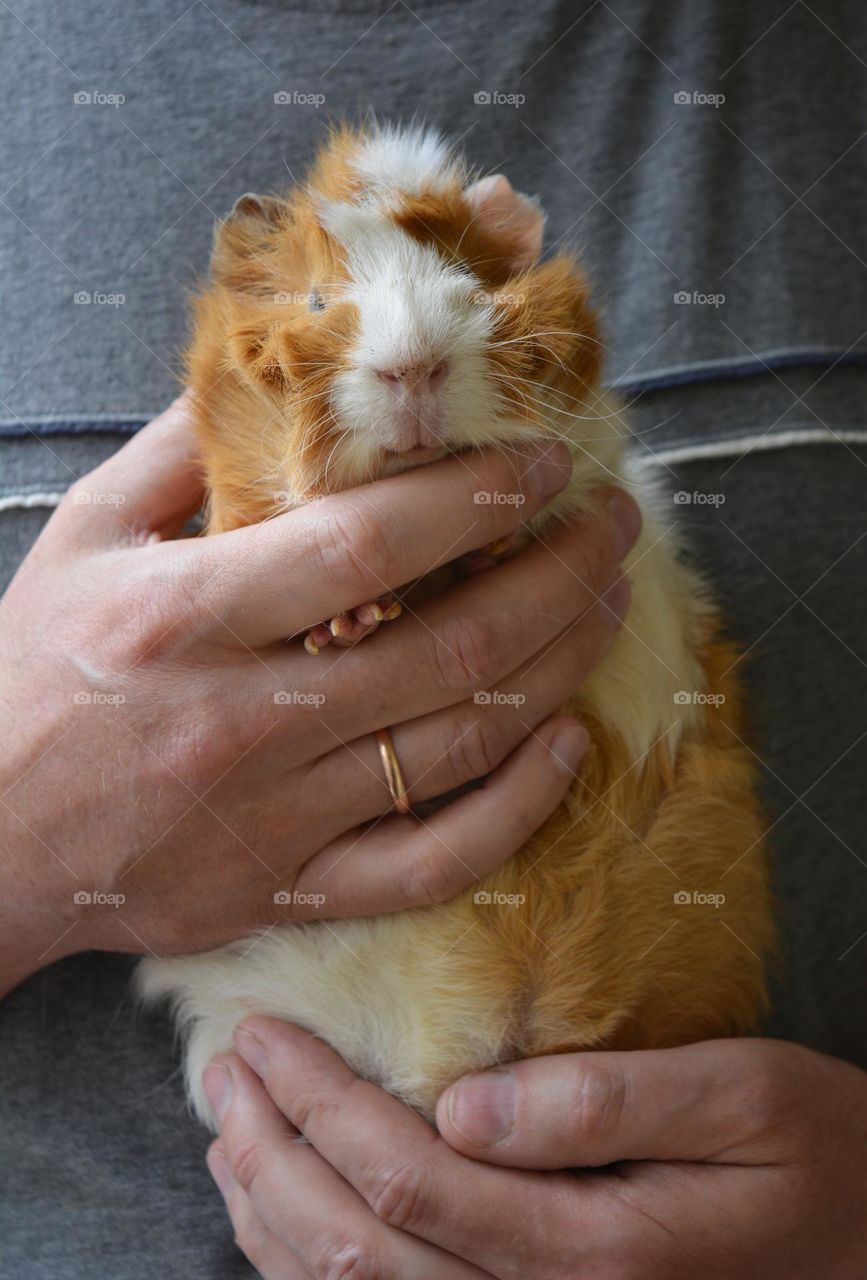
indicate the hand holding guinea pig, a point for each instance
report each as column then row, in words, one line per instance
column 170, row 763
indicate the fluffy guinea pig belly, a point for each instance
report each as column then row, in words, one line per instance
column 393, row 310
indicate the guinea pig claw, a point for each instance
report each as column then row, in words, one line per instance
column 318, row 637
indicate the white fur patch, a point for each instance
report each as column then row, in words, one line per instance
column 409, row 159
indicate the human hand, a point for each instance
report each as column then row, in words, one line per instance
column 742, row 1158
column 165, row 746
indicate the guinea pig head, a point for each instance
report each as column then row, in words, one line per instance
column 381, row 318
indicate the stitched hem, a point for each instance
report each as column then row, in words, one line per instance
column 24, row 501
column 755, row 442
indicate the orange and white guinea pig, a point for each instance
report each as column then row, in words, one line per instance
column 390, row 311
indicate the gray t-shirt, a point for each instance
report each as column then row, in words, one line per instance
column 726, row 242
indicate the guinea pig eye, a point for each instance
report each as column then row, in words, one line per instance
column 315, row 302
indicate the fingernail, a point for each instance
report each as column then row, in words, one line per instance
column 218, row 1087
column 218, row 1167
column 626, row 516
column 568, row 746
column 617, row 598
column 251, row 1050
column 394, row 612
column 551, row 471
column 482, row 1107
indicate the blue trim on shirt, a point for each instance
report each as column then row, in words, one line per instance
column 737, row 369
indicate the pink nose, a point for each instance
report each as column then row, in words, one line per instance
column 417, row 379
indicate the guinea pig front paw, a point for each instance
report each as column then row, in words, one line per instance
column 487, row 557
column 348, row 628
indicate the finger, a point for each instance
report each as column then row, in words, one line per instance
column 473, row 636
column 302, row 1201
column 284, row 576
column 703, row 1102
column 408, row 862
column 411, row 1180
column 150, row 486
column 272, row 1259
column 445, row 749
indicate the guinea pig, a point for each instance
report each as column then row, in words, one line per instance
column 393, row 309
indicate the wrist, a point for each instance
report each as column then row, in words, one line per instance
column 35, row 929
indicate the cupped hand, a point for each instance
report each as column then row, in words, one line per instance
column 175, row 773
column 729, row 1158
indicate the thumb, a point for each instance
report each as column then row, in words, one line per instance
column 705, row 1102
column 152, row 485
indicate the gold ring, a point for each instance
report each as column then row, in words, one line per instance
column 393, row 775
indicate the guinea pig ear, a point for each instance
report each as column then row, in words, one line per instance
column 504, row 211
column 264, row 209
column 238, row 241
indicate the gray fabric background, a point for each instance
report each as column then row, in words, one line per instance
column 101, row 1170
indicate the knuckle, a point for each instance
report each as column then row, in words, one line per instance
column 770, row 1091
column 464, row 655
column 311, row 1107
column 434, row 876
column 246, row 1160
column 333, row 1257
column 599, row 1102
column 396, row 1195
column 355, row 551
column 478, row 747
